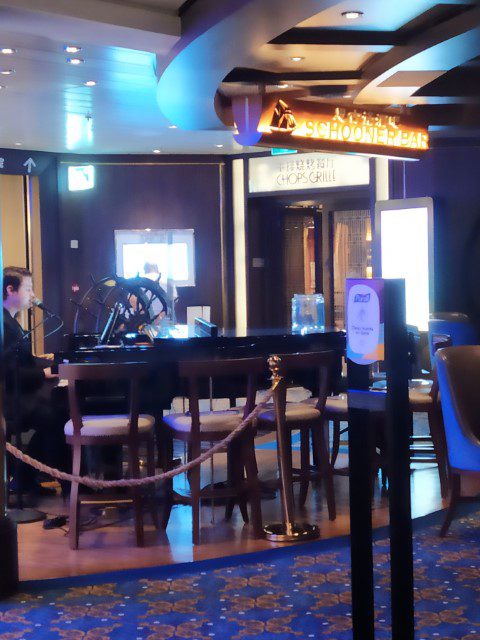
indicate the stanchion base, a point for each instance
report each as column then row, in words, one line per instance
column 299, row 531
column 25, row 516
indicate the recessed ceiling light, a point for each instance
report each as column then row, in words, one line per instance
column 90, row 83
column 7, row 72
column 157, row 151
column 352, row 15
column 18, row 144
column 7, row 51
column 75, row 60
column 71, row 48
column 297, row 58
column 219, row 145
column 172, row 126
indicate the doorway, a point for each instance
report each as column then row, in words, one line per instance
column 302, row 259
column 305, row 246
column 285, row 257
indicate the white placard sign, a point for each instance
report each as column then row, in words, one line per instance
column 364, row 315
column 307, row 171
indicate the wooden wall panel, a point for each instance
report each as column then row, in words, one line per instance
column 13, row 221
column 139, row 196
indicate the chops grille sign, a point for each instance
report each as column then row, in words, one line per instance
column 297, row 125
column 307, row 171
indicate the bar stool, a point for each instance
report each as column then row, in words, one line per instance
column 458, row 326
column 130, row 430
column 458, row 374
column 309, row 419
column 195, row 428
column 423, row 398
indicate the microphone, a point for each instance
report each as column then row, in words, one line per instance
column 38, row 303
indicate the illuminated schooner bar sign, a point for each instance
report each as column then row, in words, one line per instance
column 298, row 124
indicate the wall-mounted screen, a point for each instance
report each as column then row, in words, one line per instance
column 405, row 235
column 168, row 252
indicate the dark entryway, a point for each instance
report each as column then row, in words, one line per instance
column 297, row 245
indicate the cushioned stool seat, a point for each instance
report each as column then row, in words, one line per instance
column 336, row 405
column 294, row 412
column 214, row 421
column 420, row 397
column 111, row 425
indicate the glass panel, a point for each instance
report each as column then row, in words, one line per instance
column 298, row 258
column 164, row 254
column 352, row 255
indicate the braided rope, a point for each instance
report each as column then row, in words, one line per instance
column 138, row 482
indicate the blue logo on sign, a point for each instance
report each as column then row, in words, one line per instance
column 362, row 297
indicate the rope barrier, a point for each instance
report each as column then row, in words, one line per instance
column 138, row 482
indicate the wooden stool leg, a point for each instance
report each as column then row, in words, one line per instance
column 438, row 439
column 239, row 481
column 455, row 486
column 235, row 471
column 74, row 520
column 163, row 441
column 151, row 488
column 134, row 466
column 304, row 465
column 194, row 480
column 250, row 463
column 335, row 441
column 167, row 489
column 319, row 442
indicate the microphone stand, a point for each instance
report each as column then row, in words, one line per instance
column 22, row 514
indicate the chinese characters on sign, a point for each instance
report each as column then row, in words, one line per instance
column 307, row 171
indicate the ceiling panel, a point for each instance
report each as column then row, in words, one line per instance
column 410, row 78
column 381, row 15
column 163, row 5
column 315, row 58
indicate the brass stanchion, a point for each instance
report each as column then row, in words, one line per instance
column 288, row 530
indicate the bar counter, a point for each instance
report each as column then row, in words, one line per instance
column 180, row 344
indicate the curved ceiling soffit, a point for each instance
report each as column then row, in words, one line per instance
column 443, row 48
column 189, row 81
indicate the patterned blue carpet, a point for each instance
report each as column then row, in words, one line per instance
column 292, row 592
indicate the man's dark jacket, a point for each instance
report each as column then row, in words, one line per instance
column 20, row 364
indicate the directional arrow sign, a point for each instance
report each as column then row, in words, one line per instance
column 29, row 163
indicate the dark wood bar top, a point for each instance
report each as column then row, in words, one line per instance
column 180, row 339
column 177, row 345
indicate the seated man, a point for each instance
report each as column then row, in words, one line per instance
column 29, row 383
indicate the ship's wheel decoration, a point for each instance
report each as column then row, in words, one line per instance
column 140, row 301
